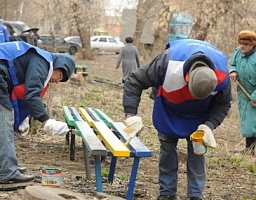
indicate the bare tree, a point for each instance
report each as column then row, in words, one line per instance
column 82, row 28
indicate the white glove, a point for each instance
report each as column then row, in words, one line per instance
column 24, row 127
column 56, row 127
column 208, row 138
column 133, row 125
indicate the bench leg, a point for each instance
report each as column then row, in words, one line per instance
column 112, row 169
column 133, row 178
column 98, row 173
column 67, row 136
column 72, row 147
column 86, row 162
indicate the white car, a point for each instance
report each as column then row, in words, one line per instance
column 100, row 43
column 105, row 44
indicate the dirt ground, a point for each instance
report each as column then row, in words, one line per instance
column 229, row 176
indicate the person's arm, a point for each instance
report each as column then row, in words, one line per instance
column 35, row 77
column 151, row 74
column 219, row 107
column 233, row 62
column 137, row 58
column 119, row 59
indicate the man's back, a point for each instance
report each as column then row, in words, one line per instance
column 129, row 52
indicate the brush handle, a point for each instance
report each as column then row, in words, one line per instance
column 243, row 89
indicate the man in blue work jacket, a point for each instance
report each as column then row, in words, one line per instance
column 25, row 72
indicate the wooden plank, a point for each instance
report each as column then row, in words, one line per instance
column 38, row 192
column 137, row 148
column 85, row 116
column 91, row 141
column 68, row 117
column 14, row 186
column 75, row 114
column 116, row 146
column 93, row 115
column 106, row 119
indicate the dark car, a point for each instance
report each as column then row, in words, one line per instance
column 20, row 28
column 46, row 42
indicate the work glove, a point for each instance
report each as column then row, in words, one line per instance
column 208, row 138
column 24, row 127
column 133, row 125
column 56, row 127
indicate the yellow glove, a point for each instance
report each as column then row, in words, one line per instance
column 208, row 138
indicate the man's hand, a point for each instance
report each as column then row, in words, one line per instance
column 133, row 125
column 56, row 127
column 208, row 138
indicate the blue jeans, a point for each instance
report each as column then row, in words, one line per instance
column 168, row 168
column 8, row 160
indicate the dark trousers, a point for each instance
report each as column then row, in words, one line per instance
column 250, row 142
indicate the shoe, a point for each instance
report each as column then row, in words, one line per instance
column 195, row 198
column 169, row 197
column 20, row 178
column 22, row 170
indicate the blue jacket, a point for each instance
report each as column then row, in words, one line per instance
column 25, row 71
column 4, row 37
column 176, row 113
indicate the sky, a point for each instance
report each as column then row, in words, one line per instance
column 115, row 7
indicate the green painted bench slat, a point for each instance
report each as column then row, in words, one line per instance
column 68, row 117
column 104, row 117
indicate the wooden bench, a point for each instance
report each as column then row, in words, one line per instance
column 82, row 70
column 103, row 137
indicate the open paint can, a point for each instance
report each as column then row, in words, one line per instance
column 197, row 141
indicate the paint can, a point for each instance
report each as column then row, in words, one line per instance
column 51, row 177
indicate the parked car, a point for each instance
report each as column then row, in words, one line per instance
column 106, row 44
column 62, row 46
column 74, row 39
column 20, row 28
column 100, row 43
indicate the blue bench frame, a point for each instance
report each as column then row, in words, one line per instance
column 85, row 127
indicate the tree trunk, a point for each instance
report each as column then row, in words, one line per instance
column 147, row 51
column 83, row 30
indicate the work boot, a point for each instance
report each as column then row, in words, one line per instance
column 195, row 198
column 169, row 197
column 20, row 178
